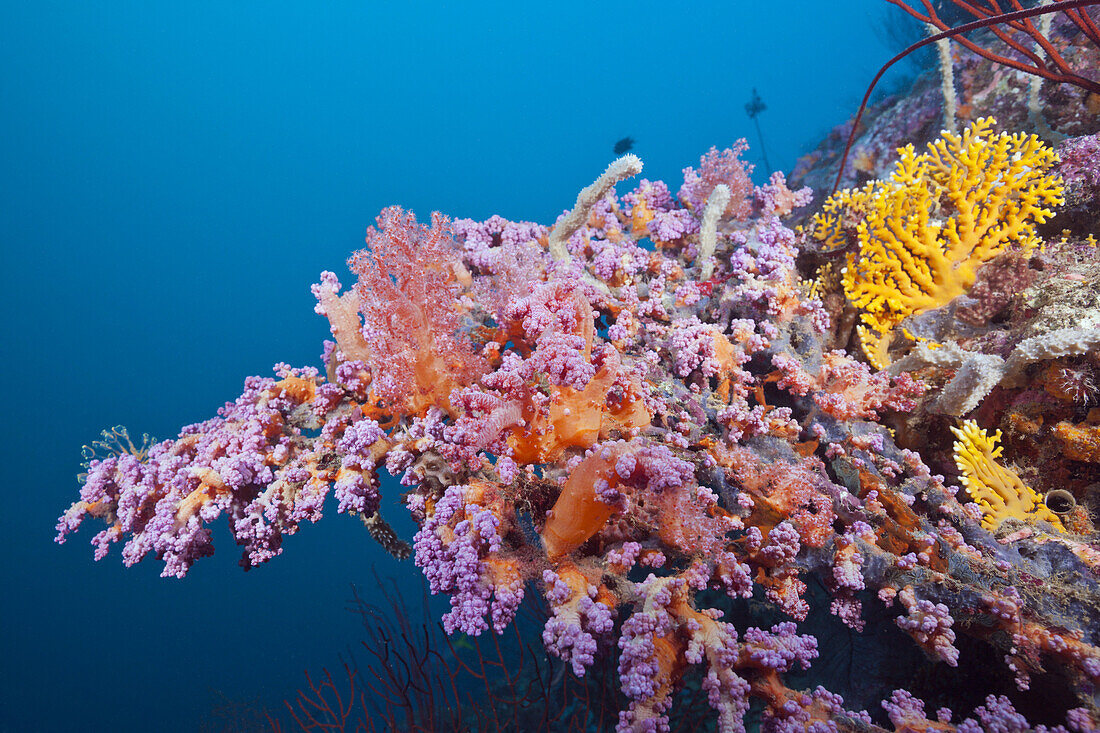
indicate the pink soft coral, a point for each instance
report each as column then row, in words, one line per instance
column 720, row 167
column 409, row 288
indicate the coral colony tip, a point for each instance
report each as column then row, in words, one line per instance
column 649, row 435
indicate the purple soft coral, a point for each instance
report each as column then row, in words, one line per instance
column 645, row 433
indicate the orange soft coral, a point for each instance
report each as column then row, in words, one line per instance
column 573, row 418
column 579, row 513
column 560, row 415
column 782, row 490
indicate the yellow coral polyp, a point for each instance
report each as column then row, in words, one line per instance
column 998, row 490
column 923, row 233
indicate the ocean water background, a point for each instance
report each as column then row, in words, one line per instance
column 175, row 176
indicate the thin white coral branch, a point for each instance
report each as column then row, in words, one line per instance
column 619, row 170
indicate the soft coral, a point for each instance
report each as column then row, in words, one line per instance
column 409, row 295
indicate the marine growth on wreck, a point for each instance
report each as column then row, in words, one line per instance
column 872, row 414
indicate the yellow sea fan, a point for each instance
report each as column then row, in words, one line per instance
column 998, row 490
column 840, row 212
column 923, row 233
column 824, row 281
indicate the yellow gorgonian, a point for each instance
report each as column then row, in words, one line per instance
column 998, row 490
column 923, row 232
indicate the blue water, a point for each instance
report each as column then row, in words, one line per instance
column 176, row 175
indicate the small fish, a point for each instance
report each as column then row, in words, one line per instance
column 624, row 145
column 461, row 642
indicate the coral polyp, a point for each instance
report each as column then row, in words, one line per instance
column 1077, row 383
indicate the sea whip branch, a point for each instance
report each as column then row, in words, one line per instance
column 1068, row 6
